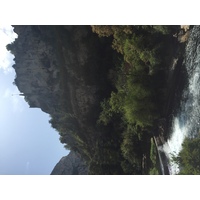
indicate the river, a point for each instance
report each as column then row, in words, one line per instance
column 187, row 118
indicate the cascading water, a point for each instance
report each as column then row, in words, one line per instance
column 186, row 123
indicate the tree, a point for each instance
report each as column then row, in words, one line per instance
column 108, row 30
column 103, row 31
column 188, row 158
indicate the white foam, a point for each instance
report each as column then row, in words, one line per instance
column 174, row 145
column 186, row 123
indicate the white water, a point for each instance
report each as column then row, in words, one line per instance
column 173, row 145
column 186, row 122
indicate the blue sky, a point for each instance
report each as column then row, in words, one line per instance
column 28, row 144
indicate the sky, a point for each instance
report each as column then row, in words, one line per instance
column 28, row 144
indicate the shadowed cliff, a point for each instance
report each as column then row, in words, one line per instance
column 63, row 70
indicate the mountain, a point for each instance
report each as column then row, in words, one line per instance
column 63, row 70
column 72, row 164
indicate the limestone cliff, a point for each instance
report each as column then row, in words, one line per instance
column 63, row 70
column 56, row 60
column 37, row 71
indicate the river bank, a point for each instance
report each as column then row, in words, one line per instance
column 175, row 81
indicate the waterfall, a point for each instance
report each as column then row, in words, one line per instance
column 186, row 122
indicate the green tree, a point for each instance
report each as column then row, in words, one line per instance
column 131, row 148
column 189, row 157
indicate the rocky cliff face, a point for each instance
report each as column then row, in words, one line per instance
column 62, row 70
column 37, row 68
column 72, row 164
column 52, row 61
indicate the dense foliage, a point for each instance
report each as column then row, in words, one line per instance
column 138, row 96
column 130, row 101
column 188, row 158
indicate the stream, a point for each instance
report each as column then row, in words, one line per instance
column 186, row 121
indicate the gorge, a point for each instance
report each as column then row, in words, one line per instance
column 109, row 91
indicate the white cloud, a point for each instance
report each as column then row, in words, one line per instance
column 6, row 61
column 6, row 58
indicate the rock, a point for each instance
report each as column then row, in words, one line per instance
column 52, row 61
column 63, row 70
column 183, row 37
column 72, row 164
column 37, row 70
column 185, row 27
column 184, row 33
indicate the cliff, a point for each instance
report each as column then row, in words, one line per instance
column 54, row 60
column 72, row 164
column 63, row 70
column 37, row 71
